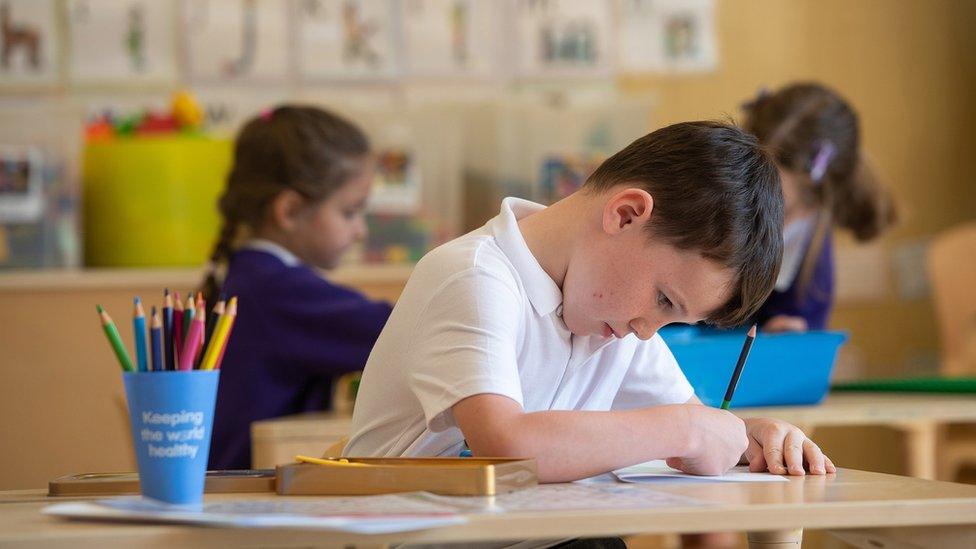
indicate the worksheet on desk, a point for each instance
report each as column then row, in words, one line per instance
column 567, row 497
column 658, row 471
column 357, row 514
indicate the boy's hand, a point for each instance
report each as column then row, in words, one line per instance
column 781, row 448
column 717, row 440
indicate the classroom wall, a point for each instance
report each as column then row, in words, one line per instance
column 909, row 68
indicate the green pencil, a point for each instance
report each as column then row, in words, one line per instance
column 746, row 346
column 112, row 333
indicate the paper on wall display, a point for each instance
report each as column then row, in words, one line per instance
column 339, row 39
column 658, row 471
column 570, row 37
column 121, row 41
column 228, row 40
column 449, row 37
column 356, row 514
column 667, row 36
column 30, row 42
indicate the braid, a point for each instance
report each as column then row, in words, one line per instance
column 223, row 247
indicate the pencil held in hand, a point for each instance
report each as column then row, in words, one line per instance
column 746, row 346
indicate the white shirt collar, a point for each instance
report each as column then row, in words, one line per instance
column 796, row 240
column 274, row 249
column 540, row 288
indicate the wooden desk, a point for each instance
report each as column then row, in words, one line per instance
column 917, row 415
column 866, row 508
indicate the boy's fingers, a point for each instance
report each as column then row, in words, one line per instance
column 754, row 453
column 815, row 458
column 793, row 451
column 773, row 453
column 831, row 468
column 675, row 463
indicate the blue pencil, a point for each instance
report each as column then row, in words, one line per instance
column 168, row 330
column 156, row 336
column 139, row 329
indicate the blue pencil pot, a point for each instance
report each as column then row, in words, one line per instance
column 171, row 414
column 783, row 369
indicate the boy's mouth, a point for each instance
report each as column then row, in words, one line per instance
column 608, row 331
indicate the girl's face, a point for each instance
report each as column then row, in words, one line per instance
column 324, row 231
column 795, row 206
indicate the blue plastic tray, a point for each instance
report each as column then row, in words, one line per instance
column 783, row 369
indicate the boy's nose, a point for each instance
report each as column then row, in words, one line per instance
column 644, row 328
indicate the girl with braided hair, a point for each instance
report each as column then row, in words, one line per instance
column 294, row 203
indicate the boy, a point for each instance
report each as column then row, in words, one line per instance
column 536, row 334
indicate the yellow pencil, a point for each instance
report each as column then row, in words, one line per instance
column 219, row 338
column 341, row 462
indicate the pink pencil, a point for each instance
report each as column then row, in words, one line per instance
column 193, row 338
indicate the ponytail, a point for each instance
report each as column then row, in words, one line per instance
column 862, row 205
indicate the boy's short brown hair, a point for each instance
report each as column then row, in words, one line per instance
column 717, row 191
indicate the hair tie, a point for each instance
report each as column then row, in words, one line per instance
column 266, row 114
column 825, row 153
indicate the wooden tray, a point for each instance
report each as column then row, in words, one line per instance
column 448, row 476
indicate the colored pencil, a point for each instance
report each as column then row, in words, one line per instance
column 168, row 330
column 218, row 311
column 178, row 332
column 230, row 330
column 115, row 340
column 139, row 329
column 202, row 304
column 219, row 336
column 188, row 311
column 193, row 336
column 156, row 337
column 746, row 347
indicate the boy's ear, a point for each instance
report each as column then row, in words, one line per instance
column 286, row 210
column 627, row 209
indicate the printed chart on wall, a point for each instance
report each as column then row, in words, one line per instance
column 114, row 41
column 228, row 40
column 450, row 37
column 346, row 39
column 667, row 36
column 28, row 42
column 563, row 37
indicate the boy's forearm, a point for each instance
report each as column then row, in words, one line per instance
column 569, row 445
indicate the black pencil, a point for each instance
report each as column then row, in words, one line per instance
column 750, row 337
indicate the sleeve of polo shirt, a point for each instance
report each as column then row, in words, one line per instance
column 653, row 378
column 465, row 344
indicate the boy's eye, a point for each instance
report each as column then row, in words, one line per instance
column 664, row 302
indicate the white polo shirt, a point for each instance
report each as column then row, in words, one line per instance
column 480, row 315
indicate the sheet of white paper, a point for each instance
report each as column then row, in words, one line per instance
column 362, row 515
column 565, row 497
column 658, row 471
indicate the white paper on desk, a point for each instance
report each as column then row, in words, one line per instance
column 359, row 514
column 658, row 471
column 568, row 497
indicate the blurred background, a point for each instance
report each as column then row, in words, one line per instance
column 117, row 117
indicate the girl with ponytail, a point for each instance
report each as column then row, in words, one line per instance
column 293, row 204
column 814, row 135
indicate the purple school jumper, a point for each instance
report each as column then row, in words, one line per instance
column 294, row 332
column 815, row 303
